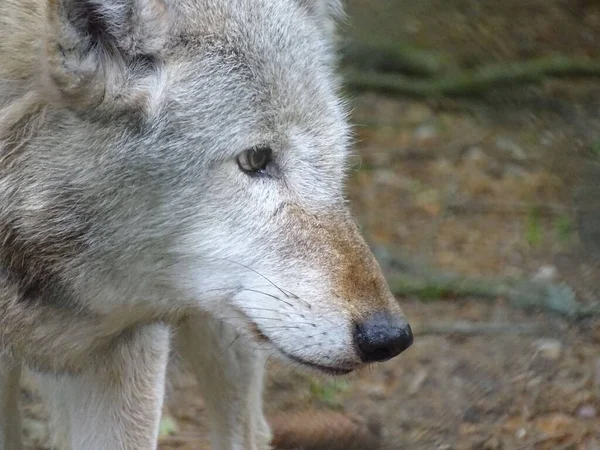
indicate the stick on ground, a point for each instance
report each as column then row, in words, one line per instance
column 475, row 82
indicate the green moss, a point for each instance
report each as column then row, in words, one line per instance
column 534, row 232
column 168, row 426
column 595, row 149
column 564, row 228
column 328, row 392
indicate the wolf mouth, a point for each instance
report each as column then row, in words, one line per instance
column 325, row 369
column 261, row 337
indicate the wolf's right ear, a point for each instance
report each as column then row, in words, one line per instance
column 97, row 49
column 327, row 12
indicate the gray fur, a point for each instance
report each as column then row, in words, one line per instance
column 123, row 211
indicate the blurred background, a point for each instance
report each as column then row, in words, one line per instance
column 476, row 181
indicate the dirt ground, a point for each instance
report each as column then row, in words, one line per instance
column 482, row 187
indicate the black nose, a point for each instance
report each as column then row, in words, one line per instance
column 381, row 337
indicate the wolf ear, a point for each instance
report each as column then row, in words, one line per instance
column 97, row 48
column 328, row 12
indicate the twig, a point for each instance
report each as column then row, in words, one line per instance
column 390, row 57
column 410, row 277
column 478, row 81
column 526, row 294
column 479, row 207
column 473, row 328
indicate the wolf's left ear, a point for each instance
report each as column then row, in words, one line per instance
column 328, row 12
column 98, row 49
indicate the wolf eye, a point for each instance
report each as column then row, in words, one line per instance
column 255, row 160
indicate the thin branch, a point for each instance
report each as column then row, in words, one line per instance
column 526, row 294
column 475, row 328
column 388, row 56
column 475, row 82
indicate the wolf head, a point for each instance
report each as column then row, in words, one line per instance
column 192, row 154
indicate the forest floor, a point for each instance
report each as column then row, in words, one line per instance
column 479, row 187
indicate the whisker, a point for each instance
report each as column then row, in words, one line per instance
column 285, row 292
column 258, row 273
column 293, row 296
column 287, row 313
column 238, row 288
column 281, row 327
column 279, row 320
column 270, row 295
column 267, row 360
column 230, row 345
column 257, row 318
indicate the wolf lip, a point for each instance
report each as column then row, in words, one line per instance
column 331, row 370
column 261, row 337
column 325, row 369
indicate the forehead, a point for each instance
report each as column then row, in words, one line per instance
column 261, row 69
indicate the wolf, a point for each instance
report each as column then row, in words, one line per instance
column 172, row 180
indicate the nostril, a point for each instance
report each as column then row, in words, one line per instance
column 382, row 337
column 380, row 354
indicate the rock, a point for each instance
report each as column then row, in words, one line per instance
column 475, row 155
column 511, row 147
column 546, row 273
column 425, row 133
column 547, row 138
column 549, row 349
column 514, row 171
column 587, row 412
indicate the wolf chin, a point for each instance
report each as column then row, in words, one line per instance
column 171, row 178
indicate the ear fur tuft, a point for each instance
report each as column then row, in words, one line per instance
column 96, row 47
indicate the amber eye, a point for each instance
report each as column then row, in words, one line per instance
column 255, row 160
